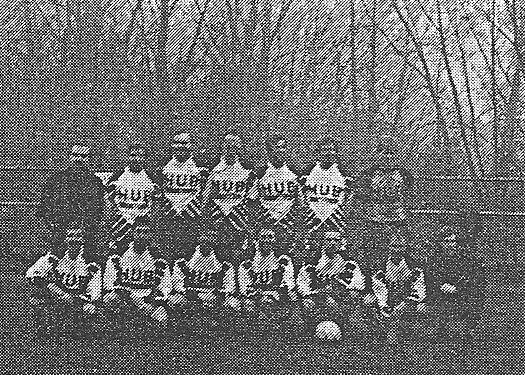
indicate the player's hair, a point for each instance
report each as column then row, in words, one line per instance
column 273, row 139
column 136, row 146
column 326, row 140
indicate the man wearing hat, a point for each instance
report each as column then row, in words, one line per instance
column 66, row 284
column 226, row 198
column 457, row 279
column 73, row 195
column 182, row 183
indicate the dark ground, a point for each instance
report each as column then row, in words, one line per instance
column 497, row 350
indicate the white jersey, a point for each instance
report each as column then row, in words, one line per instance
column 266, row 275
column 227, row 190
column 203, row 274
column 311, row 279
column 132, row 194
column 397, row 282
column 137, row 272
column 277, row 190
column 182, row 185
column 72, row 275
column 325, row 194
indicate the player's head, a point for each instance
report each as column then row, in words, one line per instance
column 74, row 240
column 181, row 147
column 79, row 155
column 332, row 242
column 326, row 151
column 449, row 241
column 385, row 151
column 397, row 246
column 231, row 148
column 136, row 157
column 267, row 240
column 209, row 239
column 277, row 149
column 141, row 234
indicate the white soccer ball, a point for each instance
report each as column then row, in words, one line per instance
column 328, row 331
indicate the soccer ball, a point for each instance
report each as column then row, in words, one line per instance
column 328, row 331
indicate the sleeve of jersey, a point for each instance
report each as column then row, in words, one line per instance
column 165, row 286
column 244, row 278
column 303, row 282
column 41, row 268
column 229, row 279
column 380, row 291
column 110, row 273
column 177, row 278
column 418, row 290
column 358, row 279
column 288, row 275
column 94, row 287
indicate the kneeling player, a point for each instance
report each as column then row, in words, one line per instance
column 138, row 279
column 204, row 281
column 398, row 291
column 332, row 286
column 266, row 282
column 68, row 285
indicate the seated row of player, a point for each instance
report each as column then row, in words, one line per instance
column 325, row 287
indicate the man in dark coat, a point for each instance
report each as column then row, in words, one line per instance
column 73, row 195
column 457, row 279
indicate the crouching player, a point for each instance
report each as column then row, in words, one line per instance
column 65, row 287
column 398, row 292
column 205, row 284
column 458, row 281
column 330, row 286
column 267, row 282
column 138, row 279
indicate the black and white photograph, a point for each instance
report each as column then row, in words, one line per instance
column 262, row 187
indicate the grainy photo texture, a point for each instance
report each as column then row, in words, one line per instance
column 262, row 186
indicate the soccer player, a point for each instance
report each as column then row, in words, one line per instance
column 384, row 190
column 278, row 194
column 138, row 278
column 205, row 281
column 225, row 200
column 327, row 191
column 329, row 285
column 73, row 195
column 130, row 193
column 266, row 281
column 182, row 183
column 397, row 291
column 458, row 281
column 68, row 285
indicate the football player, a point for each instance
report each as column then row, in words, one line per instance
column 138, row 278
column 329, row 285
column 327, row 191
column 278, row 194
column 205, row 281
column 384, row 191
column 458, row 281
column 397, row 291
column 182, row 183
column 225, row 201
column 129, row 194
column 67, row 285
column 266, row 281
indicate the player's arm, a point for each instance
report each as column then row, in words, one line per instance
column 304, row 281
column 94, row 285
column 245, row 280
column 228, row 279
column 288, row 279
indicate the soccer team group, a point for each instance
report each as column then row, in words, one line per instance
column 273, row 245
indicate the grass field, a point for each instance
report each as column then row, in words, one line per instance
column 498, row 350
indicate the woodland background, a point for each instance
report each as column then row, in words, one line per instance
column 445, row 77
